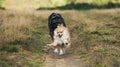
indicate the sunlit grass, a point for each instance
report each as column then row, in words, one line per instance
column 95, row 36
column 21, row 32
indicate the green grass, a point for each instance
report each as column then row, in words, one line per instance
column 95, row 36
column 22, row 39
column 10, row 48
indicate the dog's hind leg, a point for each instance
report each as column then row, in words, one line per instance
column 61, row 51
column 56, row 50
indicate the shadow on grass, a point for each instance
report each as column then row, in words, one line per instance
column 83, row 6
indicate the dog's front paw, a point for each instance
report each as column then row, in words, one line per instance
column 48, row 45
column 46, row 49
column 52, row 45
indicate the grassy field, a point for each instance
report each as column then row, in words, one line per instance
column 95, row 36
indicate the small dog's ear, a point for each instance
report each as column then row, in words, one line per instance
column 61, row 24
column 58, row 25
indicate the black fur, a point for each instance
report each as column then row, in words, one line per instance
column 53, row 21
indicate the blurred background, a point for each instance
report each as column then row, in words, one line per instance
column 94, row 27
column 58, row 4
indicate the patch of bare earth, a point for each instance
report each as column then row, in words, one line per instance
column 63, row 61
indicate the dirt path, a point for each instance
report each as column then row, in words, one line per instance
column 63, row 61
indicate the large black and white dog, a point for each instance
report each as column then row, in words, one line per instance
column 53, row 21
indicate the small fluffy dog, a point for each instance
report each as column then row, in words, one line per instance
column 61, row 39
column 59, row 33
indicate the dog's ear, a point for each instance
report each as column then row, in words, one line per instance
column 61, row 24
column 58, row 25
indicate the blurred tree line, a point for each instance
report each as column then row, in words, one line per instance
column 96, row 2
column 58, row 3
column 1, row 1
column 1, row 4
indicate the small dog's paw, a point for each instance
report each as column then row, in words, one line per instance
column 48, row 45
column 56, row 51
column 47, row 48
column 61, row 52
column 52, row 45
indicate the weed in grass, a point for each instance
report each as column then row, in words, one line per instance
column 109, row 41
column 10, row 48
column 96, row 32
column 84, row 55
column 104, row 49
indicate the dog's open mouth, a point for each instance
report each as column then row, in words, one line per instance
column 60, row 35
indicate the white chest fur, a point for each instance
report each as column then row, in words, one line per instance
column 63, row 39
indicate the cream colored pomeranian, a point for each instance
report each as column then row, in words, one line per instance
column 61, row 39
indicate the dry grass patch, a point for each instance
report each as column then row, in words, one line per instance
column 95, row 36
